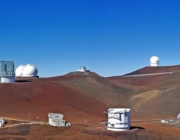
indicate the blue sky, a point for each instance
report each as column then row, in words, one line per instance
column 110, row 37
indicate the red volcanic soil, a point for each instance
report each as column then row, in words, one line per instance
column 110, row 93
column 89, row 131
column 138, row 81
column 28, row 99
column 155, row 96
column 159, row 69
column 82, row 98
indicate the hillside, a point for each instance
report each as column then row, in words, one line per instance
column 113, row 95
column 87, row 95
column 27, row 99
column 82, row 98
column 159, row 69
column 158, row 94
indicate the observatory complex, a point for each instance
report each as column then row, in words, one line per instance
column 7, row 74
column 154, row 61
column 83, row 69
column 28, row 70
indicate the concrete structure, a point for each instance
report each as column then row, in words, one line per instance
column 83, row 69
column 178, row 117
column 154, row 61
column 28, row 70
column 56, row 119
column 7, row 74
column 2, row 122
column 118, row 119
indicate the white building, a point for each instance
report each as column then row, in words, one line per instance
column 2, row 122
column 7, row 74
column 56, row 119
column 28, row 70
column 118, row 119
column 83, row 69
column 154, row 61
column 178, row 117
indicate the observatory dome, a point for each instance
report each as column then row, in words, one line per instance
column 19, row 70
column 154, row 61
column 83, row 68
column 178, row 117
column 30, row 71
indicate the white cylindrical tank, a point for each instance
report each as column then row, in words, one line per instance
column 118, row 119
column 30, row 71
column 19, row 71
column 2, row 120
column 154, row 61
column 178, row 117
column 163, row 121
column 8, row 79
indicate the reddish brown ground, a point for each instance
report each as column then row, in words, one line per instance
column 82, row 98
column 159, row 69
column 28, row 100
column 89, row 131
column 154, row 96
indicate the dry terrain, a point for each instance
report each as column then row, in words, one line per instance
column 82, row 98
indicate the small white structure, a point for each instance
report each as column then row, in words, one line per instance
column 7, row 74
column 2, row 122
column 118, row 119
column 28, row 70
column 166, row 121
column 83, row 69
column 154, row 61
column 178, row 117
column 56, row 119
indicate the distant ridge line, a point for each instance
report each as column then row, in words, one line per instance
column 150, row 74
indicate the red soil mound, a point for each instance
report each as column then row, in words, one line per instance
column 28, row 99
column 159, row 69
column 139, row 80
column 155, row 96
column 113, row 95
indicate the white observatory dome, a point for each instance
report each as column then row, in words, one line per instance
column 19, row 70
column 178, row 117
column 30, row 71
column 154, row 61
column 83, row 68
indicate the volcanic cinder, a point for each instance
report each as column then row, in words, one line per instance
column 151, row 93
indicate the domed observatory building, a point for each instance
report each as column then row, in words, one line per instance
column 19, row 70
column 7, row 74
column 178, row 117
column 83, row 69
column 28, row 70
column 154, row 61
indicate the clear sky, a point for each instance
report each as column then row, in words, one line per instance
column 110, row 37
